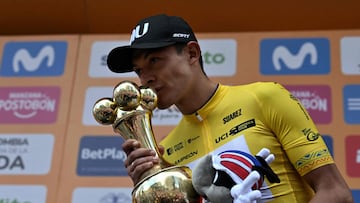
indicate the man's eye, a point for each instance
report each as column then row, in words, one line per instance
column 153, row 60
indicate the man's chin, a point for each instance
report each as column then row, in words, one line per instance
column 163, row 106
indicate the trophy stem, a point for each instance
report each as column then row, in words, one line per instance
column 136, row 125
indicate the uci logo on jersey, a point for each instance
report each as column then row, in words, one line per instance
column 31, row 59
column 295, row 56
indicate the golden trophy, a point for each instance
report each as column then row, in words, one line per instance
column 129, row 112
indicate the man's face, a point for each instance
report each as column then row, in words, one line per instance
column 165, row 70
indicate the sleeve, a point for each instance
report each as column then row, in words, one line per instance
column 294, row 128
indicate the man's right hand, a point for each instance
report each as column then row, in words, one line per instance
column 139, row 159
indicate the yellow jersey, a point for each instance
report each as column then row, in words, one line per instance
column 248, row 118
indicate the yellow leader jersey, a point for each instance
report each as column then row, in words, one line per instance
column 248, row 118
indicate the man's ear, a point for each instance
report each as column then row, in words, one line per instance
column 194, row 51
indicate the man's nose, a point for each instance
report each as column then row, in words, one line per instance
column 147, row 79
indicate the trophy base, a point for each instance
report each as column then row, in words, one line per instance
column 169, row 185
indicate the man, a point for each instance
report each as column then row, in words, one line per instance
column 166, row 56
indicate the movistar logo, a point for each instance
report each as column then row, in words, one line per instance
column 294, row 61
column 31, row 64
column 34, row 59
column 295, row 56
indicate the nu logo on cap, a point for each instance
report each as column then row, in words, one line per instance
column 136, row 32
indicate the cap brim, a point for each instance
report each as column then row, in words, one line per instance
column 119, row 60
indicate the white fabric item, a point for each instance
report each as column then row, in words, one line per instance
column 242, row 193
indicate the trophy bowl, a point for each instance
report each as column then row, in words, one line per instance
column 129, row 112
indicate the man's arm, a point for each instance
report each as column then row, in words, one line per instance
column 329, row 185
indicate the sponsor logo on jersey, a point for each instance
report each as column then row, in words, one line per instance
column 297, row 56
column 18, row 152
column 310, row 134
column 101, row 156
column 186, row 157
column 181, row 145
column 235, row 130
column 351, row 104
column 29, row 104
column 176, row 147
column 192, row 139
column 231, row 116
column 34, row 59
column 316, row 99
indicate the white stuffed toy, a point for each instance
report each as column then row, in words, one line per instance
column 233, row 176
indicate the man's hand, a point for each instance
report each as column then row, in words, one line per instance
column 138, row 159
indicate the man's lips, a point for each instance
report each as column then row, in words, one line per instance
column 157, row 90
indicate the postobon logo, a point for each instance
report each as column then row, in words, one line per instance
column 30, row 63
column 29, row 104
column 294, row 61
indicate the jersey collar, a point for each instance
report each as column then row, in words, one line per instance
column 205, row 110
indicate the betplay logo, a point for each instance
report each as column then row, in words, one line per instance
column 29, row 59
column 101, row 156
column 295, row 56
